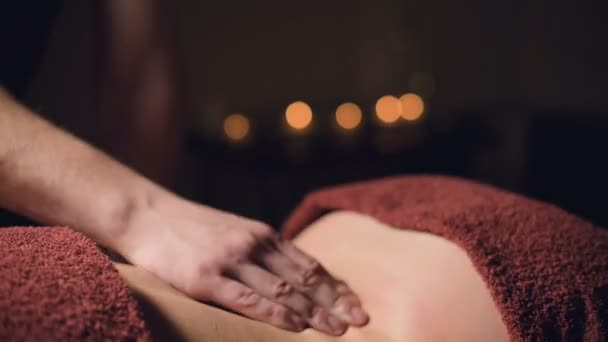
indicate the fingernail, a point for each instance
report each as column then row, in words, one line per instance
column 358, row 315
column 297, row 322
column 336, row 325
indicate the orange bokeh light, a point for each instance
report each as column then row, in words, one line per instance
column 388, row 109
column 236, row 127
column 348, row 115
column 298, row 115
column 412, row 107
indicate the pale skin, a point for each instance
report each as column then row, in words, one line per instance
column 237, row 263
column 416, row 286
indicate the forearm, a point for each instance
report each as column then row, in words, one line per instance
column 50, row 176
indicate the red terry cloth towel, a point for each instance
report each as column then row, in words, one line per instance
column 55, row 285
column 546, row 269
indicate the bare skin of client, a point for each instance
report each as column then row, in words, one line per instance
column 416, row 287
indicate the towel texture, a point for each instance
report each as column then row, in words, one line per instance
column 55, row 285
column 547, row 270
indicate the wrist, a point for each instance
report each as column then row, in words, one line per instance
column 133, row 218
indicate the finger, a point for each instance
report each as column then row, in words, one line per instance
column 347, row 305
column 273, row 259
column 272, row 287
column 244, row 300
column 279, row 291
column 308, row 283
column 335, row 294
column 304, row 280
column 295, row 254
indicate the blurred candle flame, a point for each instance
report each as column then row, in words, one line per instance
column 298, row 115
column 412, row 106
column 348, row 116
column 388, row 109
column 236, row 127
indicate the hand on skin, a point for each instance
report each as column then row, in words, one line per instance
column 240, row 264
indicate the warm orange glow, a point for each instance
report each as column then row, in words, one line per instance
column 388, row 109
column 298, row 115
column 236, row 127
column 412, row 107
column 348, row 115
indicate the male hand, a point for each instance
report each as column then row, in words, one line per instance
column 241, row 265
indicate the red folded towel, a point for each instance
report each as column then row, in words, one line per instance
column 55, row 285
column 547, row 270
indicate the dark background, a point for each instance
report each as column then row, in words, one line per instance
column 516, row 95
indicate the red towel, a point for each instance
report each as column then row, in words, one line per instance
column 547, row 270
column 55, row 285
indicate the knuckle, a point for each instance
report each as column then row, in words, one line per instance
column 310, row 261
column 247, row 299
column 196, row 286
column 281, row 290
column 342, row 288
column 241, row 246
column 192, row 288
column 248, row 241
column 263, row 231
column 277, row 313
column 311, row 274
column 206, row 269
column 344, row 302
column 313, row 266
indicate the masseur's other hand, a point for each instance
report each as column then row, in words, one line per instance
column 239, row 264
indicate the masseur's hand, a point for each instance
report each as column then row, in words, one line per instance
column 52, row 177
column 239, row 264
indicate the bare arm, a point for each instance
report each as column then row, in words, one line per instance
column 53, row 177
column 50, row 176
